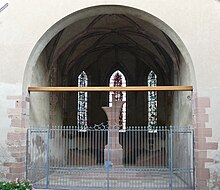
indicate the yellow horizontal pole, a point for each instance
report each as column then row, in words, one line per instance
column 107, row 89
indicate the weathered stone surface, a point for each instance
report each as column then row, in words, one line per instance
column 5, row 159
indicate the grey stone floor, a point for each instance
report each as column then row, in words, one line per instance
column 117, row 180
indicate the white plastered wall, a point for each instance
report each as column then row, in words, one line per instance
column 196, row 22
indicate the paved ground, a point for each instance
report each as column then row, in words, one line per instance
column 117, row 180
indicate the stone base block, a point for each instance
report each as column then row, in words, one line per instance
column 115, row 156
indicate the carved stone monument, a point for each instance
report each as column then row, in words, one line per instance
column 113, row 149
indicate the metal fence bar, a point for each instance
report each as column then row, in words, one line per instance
column 27, row 157
column 170, row 158
column 47, row 159
column 108, row 164
column 193, row 160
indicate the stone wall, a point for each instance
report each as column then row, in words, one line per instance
column 13, row 146
column 202, row 147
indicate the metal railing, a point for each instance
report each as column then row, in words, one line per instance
column 68, row 157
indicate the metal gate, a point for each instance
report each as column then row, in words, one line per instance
column 69, row 157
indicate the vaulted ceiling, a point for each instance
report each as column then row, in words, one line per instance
column 107, row 40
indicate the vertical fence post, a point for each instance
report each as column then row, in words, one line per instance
column 27, row 160
column 47, row 158
column 170, row 158
column 108, row 169
column 193, row 158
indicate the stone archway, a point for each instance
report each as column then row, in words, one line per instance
column 139, row 29
column 98, row 10
column 84, row 41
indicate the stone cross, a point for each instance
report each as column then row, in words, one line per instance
column 113, row 147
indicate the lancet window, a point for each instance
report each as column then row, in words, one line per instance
column 82, row 113
column 118, row 79
column 152, row 100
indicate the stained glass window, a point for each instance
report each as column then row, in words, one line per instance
column 82, row 101
column 118, row 79
column 152, row 100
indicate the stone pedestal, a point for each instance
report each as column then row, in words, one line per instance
column 113, row 149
